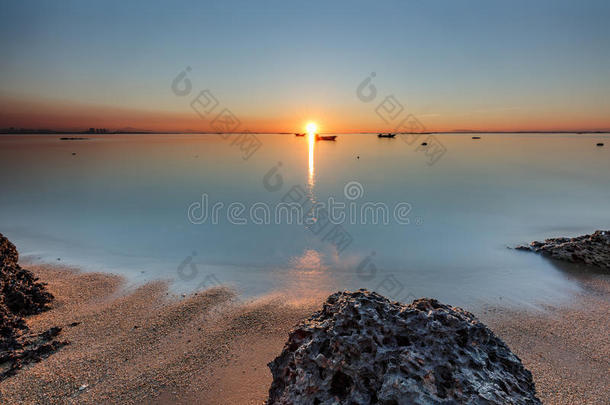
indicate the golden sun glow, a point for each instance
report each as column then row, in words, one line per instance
column 311, row 127
column 311, row 138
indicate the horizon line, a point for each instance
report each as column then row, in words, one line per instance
column 28, row 131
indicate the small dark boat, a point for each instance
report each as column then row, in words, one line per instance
column 303, row 134
column 325, row 137
column 388, row 135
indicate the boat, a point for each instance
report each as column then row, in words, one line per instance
column 388, row 135
column 297, row 134
column 325, row 137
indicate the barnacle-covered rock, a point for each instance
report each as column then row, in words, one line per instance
column 591, row 249
column 21, row 294
column 20, row 291
column 362, row 348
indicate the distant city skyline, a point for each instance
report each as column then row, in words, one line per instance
column 454, row 66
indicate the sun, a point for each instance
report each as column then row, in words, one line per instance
column 311, row 127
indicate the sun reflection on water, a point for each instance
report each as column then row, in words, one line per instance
column 311, row 138
column 308, row 278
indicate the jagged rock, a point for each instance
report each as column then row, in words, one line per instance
column 362, row 348
column 20, row 295
column 20, row 290
column 588, row 249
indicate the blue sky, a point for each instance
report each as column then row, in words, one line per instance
column 455, row 64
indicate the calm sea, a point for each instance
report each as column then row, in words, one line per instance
column 390, row 214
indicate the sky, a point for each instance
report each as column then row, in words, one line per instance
column 273, row 66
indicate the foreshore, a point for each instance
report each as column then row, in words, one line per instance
column 146, row 345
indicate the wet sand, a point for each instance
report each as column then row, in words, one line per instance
column 567, row 347
column 145, row 345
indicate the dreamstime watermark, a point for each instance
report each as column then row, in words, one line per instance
column 318, row 222
column 366, row 271
column 290, row 210
column 390, row 110
column 225, row 122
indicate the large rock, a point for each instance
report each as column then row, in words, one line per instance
column 20, row 291
column 592, row 249
column 362, row 348
column 20, row 295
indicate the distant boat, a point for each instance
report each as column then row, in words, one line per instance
column 325, row 137
column 388, row 135
column 297, row 134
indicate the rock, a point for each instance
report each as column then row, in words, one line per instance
column 592, row 249
column 362, row 348
column 424, row 143
column 600, row 144
column 476, row 137
column 21, row 292
column 20, row 295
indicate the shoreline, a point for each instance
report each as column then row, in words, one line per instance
column 566, row 346
column 144, row 344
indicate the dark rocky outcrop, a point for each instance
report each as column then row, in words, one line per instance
column 21, row 295
column 592, row 249
column 362, row 348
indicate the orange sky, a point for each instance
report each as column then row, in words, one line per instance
column 62, row 115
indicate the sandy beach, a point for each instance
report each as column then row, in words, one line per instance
column 566, row 347
column 146, row 345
